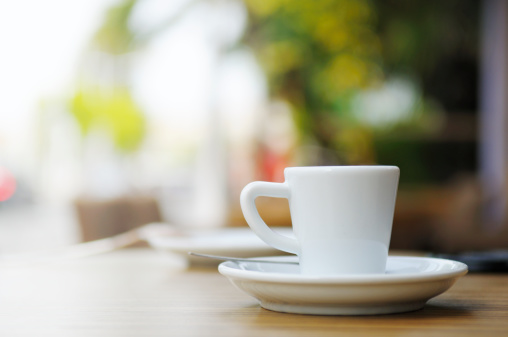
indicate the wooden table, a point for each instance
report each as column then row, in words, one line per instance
column 137, row 292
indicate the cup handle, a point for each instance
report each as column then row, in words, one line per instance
column 251, row 214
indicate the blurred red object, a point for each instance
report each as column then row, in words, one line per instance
column 272, row 165
column 7, row 184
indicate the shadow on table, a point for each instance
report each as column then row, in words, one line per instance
column 430, row 311
column 439, row 311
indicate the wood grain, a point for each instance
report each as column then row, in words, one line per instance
column 136, row 292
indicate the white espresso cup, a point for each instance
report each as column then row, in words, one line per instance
column 341, row 216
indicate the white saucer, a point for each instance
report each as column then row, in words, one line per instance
column 238, row 242
column 409, row 282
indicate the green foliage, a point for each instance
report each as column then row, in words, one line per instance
column 115, row 36
column 323, row 49
column 320, row 56
column 316, row 54
column 113, row 111
column 111, row 108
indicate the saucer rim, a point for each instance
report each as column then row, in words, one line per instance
column 457, row 270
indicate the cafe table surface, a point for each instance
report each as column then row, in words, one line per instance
column 138, row 292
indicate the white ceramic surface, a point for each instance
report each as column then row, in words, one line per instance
column 341, row 215
column 407, row 284
column 237, row 242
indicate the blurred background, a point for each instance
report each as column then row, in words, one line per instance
column 115, row 113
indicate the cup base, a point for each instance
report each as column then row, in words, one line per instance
column 343, row 257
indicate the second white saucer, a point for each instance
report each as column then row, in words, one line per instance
column 409, row 282
column 239, row 242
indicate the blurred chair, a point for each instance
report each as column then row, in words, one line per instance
column 99, row 218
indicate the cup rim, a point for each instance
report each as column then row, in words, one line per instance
column 344, row 168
